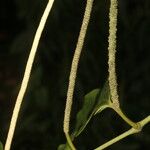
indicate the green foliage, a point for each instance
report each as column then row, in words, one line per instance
column 87, row 111
column 1, row 146
column 64, row 147
column 94, row 102
column 104, row 99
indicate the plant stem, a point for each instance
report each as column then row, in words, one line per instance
column 126, row 119
column 125, row 134
column 74, row 66
column 27, row 76
column 70, row 141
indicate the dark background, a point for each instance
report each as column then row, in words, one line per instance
column 40, row 124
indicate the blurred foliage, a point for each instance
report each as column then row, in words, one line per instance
column 1, row 146
column 41, row 117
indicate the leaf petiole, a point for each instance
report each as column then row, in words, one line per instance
column 126, row 119
column 70, row 141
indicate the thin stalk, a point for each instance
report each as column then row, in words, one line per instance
column 27, row 76
column 112, row 51
column 127, row 120
column 125, row 134
column 74, row 65
column 118, row 138
column 70, row 141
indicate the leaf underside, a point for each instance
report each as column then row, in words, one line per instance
column 94, row 102
column 64, row 147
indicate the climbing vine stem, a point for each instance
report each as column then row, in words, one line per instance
column 125, row 134
column 27, row 75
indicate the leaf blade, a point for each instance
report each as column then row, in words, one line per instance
column 64, row 147
column 94, row 102
column 104, row 100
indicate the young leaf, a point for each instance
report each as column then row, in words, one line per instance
column 104, row 99
column 86, row 113
column 1, row 146
column 63, row 147
column 94, row 102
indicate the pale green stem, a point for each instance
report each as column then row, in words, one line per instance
column 69, row 140
column 27, row 75
column 112, row 51
column 125, row 118
column 74, row 65
column 125, row 134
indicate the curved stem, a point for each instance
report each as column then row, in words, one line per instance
column 125, row 134
column 126, row 119
column 74, row 65
column 27, row 75
column 70, row 142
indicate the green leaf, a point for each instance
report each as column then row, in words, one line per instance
column 64, row 147
column 104, row 99
column 1, row 146
column 86, row 113
column 94, row 102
